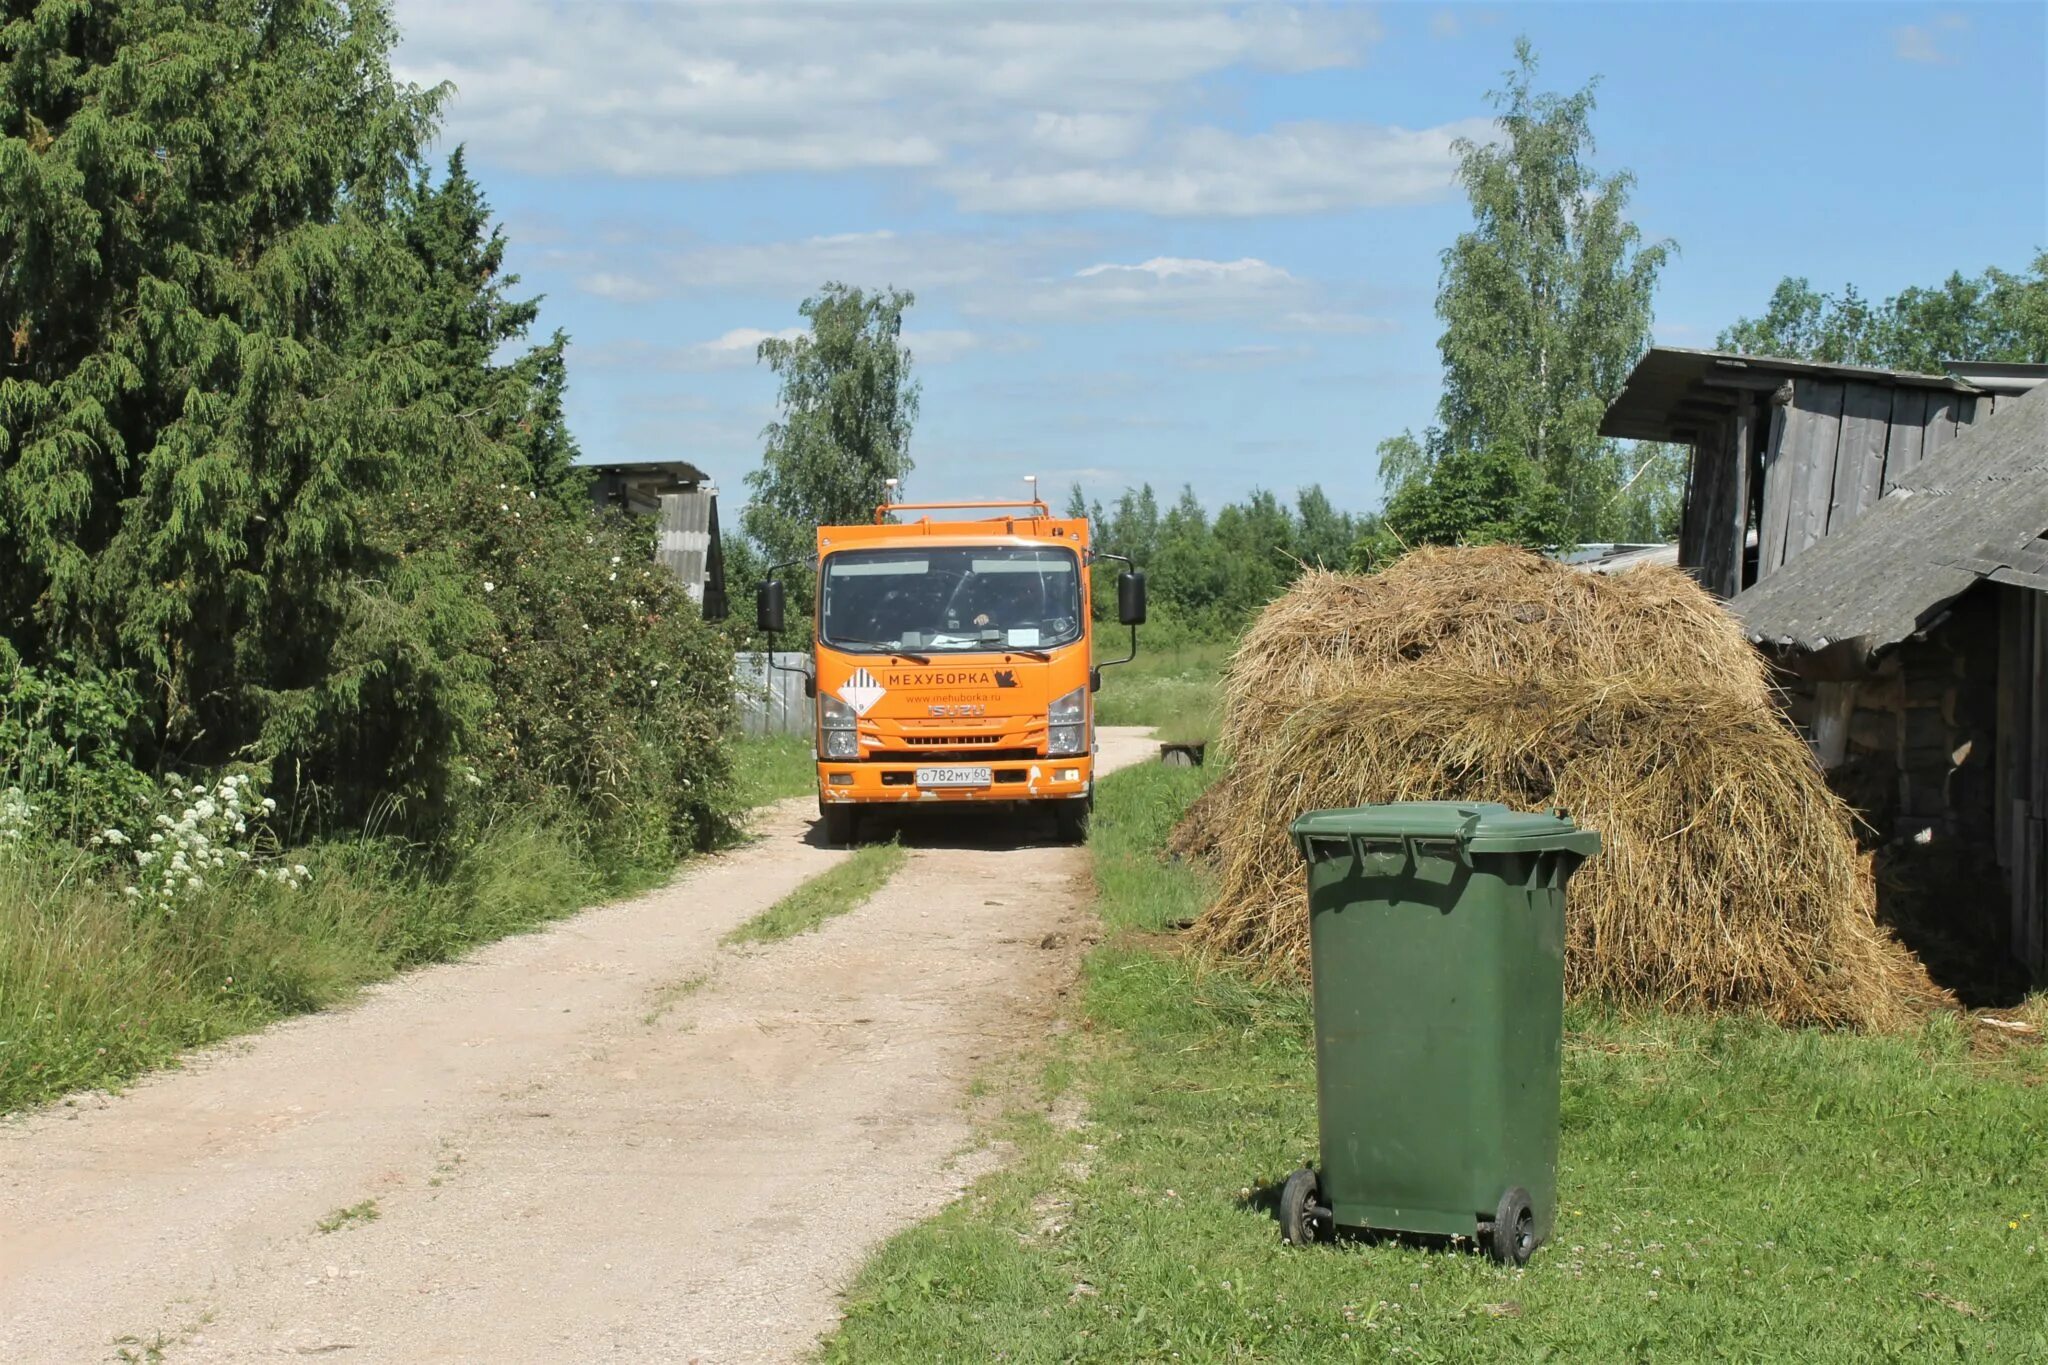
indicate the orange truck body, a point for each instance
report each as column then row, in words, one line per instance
column 924, row 696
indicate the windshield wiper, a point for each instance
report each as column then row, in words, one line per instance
column 1037, row 654
column 881, row 645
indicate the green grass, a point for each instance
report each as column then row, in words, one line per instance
column 93, row 993
column 1177, row 692
column 846, row 887
column 768, row 768
column 1730, row 1190
column 354, row 1216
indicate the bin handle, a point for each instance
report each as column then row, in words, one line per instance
column 1321, row 848
column 1454, row 850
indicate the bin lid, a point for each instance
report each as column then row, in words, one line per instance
column 1484, row 826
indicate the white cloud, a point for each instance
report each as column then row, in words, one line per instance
column 1247, row 291
column 944, row 345
column 1172, row 285
column 618, row 286
column 1922, row 42
column 1292, row 168
column 1027, row 109
column 745, row 342
column 739, row 347
column 1333, row 322
column 1245, row 269
column 932, row 265
column 1238, row 358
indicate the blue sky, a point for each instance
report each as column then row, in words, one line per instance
column 1179, row 243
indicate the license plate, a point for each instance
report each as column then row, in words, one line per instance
column 955, row 777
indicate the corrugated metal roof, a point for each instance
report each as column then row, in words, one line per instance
column 1977, row 510
column 1673, row 392
column 1617, row 558
column 659, row 470
column 1998, row 376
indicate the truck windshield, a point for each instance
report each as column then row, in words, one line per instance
column 950, row 598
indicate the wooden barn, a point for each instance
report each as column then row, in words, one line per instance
column 1786, row 452
column 685, row 503
column 1892, row 557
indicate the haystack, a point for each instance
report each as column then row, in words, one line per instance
column 1730, row 877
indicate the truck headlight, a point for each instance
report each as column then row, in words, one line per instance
column 836, row 737
column 1066, row 724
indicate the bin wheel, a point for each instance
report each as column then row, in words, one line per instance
column 1512, row 1237
column 1303, row 1219
column 839, row 823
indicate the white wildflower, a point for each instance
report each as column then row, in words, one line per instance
column 489, row 586
column 298, row 869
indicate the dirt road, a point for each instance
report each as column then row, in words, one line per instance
column 610, row 1140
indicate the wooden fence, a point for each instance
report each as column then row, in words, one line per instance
column 772, row 700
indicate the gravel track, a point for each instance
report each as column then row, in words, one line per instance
column 612, row 1139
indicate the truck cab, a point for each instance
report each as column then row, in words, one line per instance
column 953, row 662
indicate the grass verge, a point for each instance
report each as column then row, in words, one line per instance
column 1177, row 692
column 93, row 993
column 825, row 896
column 769, row 768
column 1731, row 1190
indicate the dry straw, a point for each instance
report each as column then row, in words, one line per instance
column 1730, row 876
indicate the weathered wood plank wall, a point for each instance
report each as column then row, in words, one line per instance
column 1830, row 454
column 2021, row 786
column 2030, row 878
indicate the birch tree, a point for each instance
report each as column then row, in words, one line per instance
column 1546, row 306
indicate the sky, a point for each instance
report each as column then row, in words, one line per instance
column 1177, row 243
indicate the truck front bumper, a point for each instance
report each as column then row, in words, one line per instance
column 1034, row 779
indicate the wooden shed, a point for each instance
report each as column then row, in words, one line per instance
column 1915, row 643
column 684, row 502
column 1786, row 452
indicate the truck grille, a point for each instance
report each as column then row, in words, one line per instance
column 949, row 741
column 979, row 751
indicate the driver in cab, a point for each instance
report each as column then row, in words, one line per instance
column 1007, row 605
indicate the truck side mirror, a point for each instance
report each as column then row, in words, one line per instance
column 1130, row 598
column 768, row 606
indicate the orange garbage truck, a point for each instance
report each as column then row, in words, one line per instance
column 953, row 660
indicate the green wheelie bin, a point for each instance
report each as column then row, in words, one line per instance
column 1436, row 940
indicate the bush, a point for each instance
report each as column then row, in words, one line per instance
column 523, row 650
column 63, row 744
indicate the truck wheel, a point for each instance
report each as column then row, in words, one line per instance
column 1071, row 819
column 1303, row 1219
column 1513, row 1234
column 839, row 823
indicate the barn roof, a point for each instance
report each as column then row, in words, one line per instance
column 1978, row 510
column 1673, row 391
